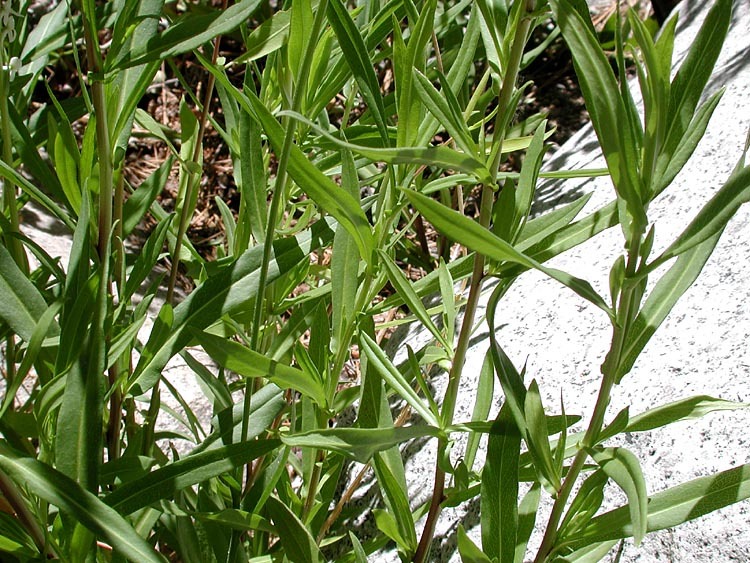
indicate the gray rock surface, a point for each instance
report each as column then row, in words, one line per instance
column 700, row 349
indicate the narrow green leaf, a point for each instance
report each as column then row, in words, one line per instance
column 695, row 71
column 468, row 550
column 299, row 31
column 623, row 468
column 499, row 489
column 431, row 156
column 223, row 293
column 672, row 507
column 527, row 512
column 393, row 489
column 43, row 328
column 530, row 169
column 268, row 37
column 444, row 107
column 411, row 57
column 537, row 436
column 584, row 506
column 265, row 405
column 166, row 481
column 236, row 520
column 22, row 305
column 564, row 238
column 298, row 543
column 186, row 34
column 248, row 363
column 141, row 199
column 358, row 443
column 485, row 396
column 510, row 380
column 126, row 88
column 403, row 286
column 459, row 71
column 146, row 260
column 318, row 186
column 355, row 53
column 714, row 215
column 26, row 148
column 79, row 436
column 61, row 491
column 674, row 156
column 605, row 105
column 359, row 553
column 378, row 360
column 470, row 234
column 344, row 264
column 684, row 409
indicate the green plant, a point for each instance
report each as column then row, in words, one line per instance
column 333, row 197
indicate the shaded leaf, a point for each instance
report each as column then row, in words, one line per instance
column 248, row 363
column 61, row 491
column 298, row 543
column 358, row 443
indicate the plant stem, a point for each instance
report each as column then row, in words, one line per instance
column 193, row 178
column 277, row 198
column 13, row 244
column 454, row 377
column 627, row 310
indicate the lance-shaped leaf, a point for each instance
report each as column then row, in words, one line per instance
column 537, row 436
column 499, row 489
column 248, row 363
column 672, row 507
column 379, row 361
column 444, row 106
column 664, row 296
column 431, row 156
column 623, row 468
column 356, row 55
column 684, row 409
column 468, row 550
column 713, row 216
column 295, row 538
column 358, row 443
column 61, row 491
column 268, row 37
column 604, row 103
column 344, row 265
column 404, row 287
column 527, row 511
column 166, row 481
column 223, row 293
column 22, row 305
column 317, row 185
column 469, row 233
column 187, row 33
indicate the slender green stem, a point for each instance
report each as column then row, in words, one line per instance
column 193, row 179
column 454, row 377
column 627, row 310
column 454, row 380
column 504, row 113
column 13, row 244
column 278, row 197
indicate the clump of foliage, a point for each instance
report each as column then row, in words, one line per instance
column 331, row 196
